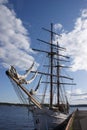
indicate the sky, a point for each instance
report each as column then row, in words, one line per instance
column 20, row 25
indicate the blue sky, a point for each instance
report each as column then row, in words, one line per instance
column 20, row 25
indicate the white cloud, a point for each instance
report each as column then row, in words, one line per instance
column 14, row 39
column 3, row 1
column 75, row 92
column 58, row 26
column 77, row 96
column 76, row 42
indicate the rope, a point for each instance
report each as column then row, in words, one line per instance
column 19, row 93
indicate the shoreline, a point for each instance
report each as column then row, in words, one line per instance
column 20, row 104
column 14, row 104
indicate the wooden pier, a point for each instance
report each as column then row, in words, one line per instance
column 78, row 121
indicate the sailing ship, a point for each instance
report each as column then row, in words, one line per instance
column 51, row 108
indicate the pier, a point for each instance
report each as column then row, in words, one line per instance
column 78, row 121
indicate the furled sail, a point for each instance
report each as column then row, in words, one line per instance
column 22, row 78
column 27, row 72
column 33, row 77
column 38, row 84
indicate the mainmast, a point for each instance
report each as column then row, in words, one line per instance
column 58, row 73
column 51, row 69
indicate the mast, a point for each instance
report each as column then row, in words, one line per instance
column 51, row 68
column 58, row 73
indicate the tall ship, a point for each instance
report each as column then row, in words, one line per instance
column 45, row 91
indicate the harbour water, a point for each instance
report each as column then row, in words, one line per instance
column 15, row 118
column 19, row 117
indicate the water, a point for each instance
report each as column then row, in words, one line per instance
column 19, row 117
column 15, row 118
column 75, row 108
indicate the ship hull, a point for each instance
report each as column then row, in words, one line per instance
column 45, row 119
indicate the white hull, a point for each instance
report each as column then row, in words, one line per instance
column 45, row 119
